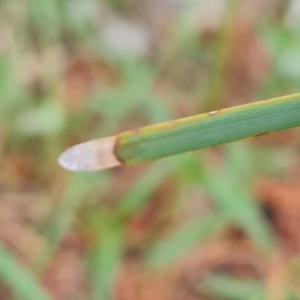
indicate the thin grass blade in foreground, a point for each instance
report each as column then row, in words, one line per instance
column 183, row 135
column 22, row 283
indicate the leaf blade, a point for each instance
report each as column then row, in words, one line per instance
column 210, row 129
column 22, row 282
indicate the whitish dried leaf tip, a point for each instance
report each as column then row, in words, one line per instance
column 90, row 156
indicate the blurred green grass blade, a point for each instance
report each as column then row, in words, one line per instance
column 231, row 190
column 182, row 241
column 293, row 297
column 46, row 18
column 106, row 261
column 118, row 5
column 232, row 288
column 22, row 283
column 118, row 103
column 141, row 191
column 214, row 128
column 79, row 186
column 222, row 56
column 157, row 110
column 49, row 118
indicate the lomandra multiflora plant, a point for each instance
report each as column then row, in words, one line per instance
column 182, row 135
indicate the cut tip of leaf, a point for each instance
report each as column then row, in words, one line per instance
column 90, row 156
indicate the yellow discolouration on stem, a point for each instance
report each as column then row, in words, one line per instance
column 169, row 125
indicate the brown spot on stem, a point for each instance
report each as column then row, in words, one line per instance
column 261, row 134
column 115, row 152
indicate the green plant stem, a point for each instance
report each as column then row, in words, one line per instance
column 209, row 129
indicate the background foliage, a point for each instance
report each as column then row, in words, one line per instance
column 221, row 223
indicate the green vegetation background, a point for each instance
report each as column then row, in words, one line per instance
column 75, row 70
